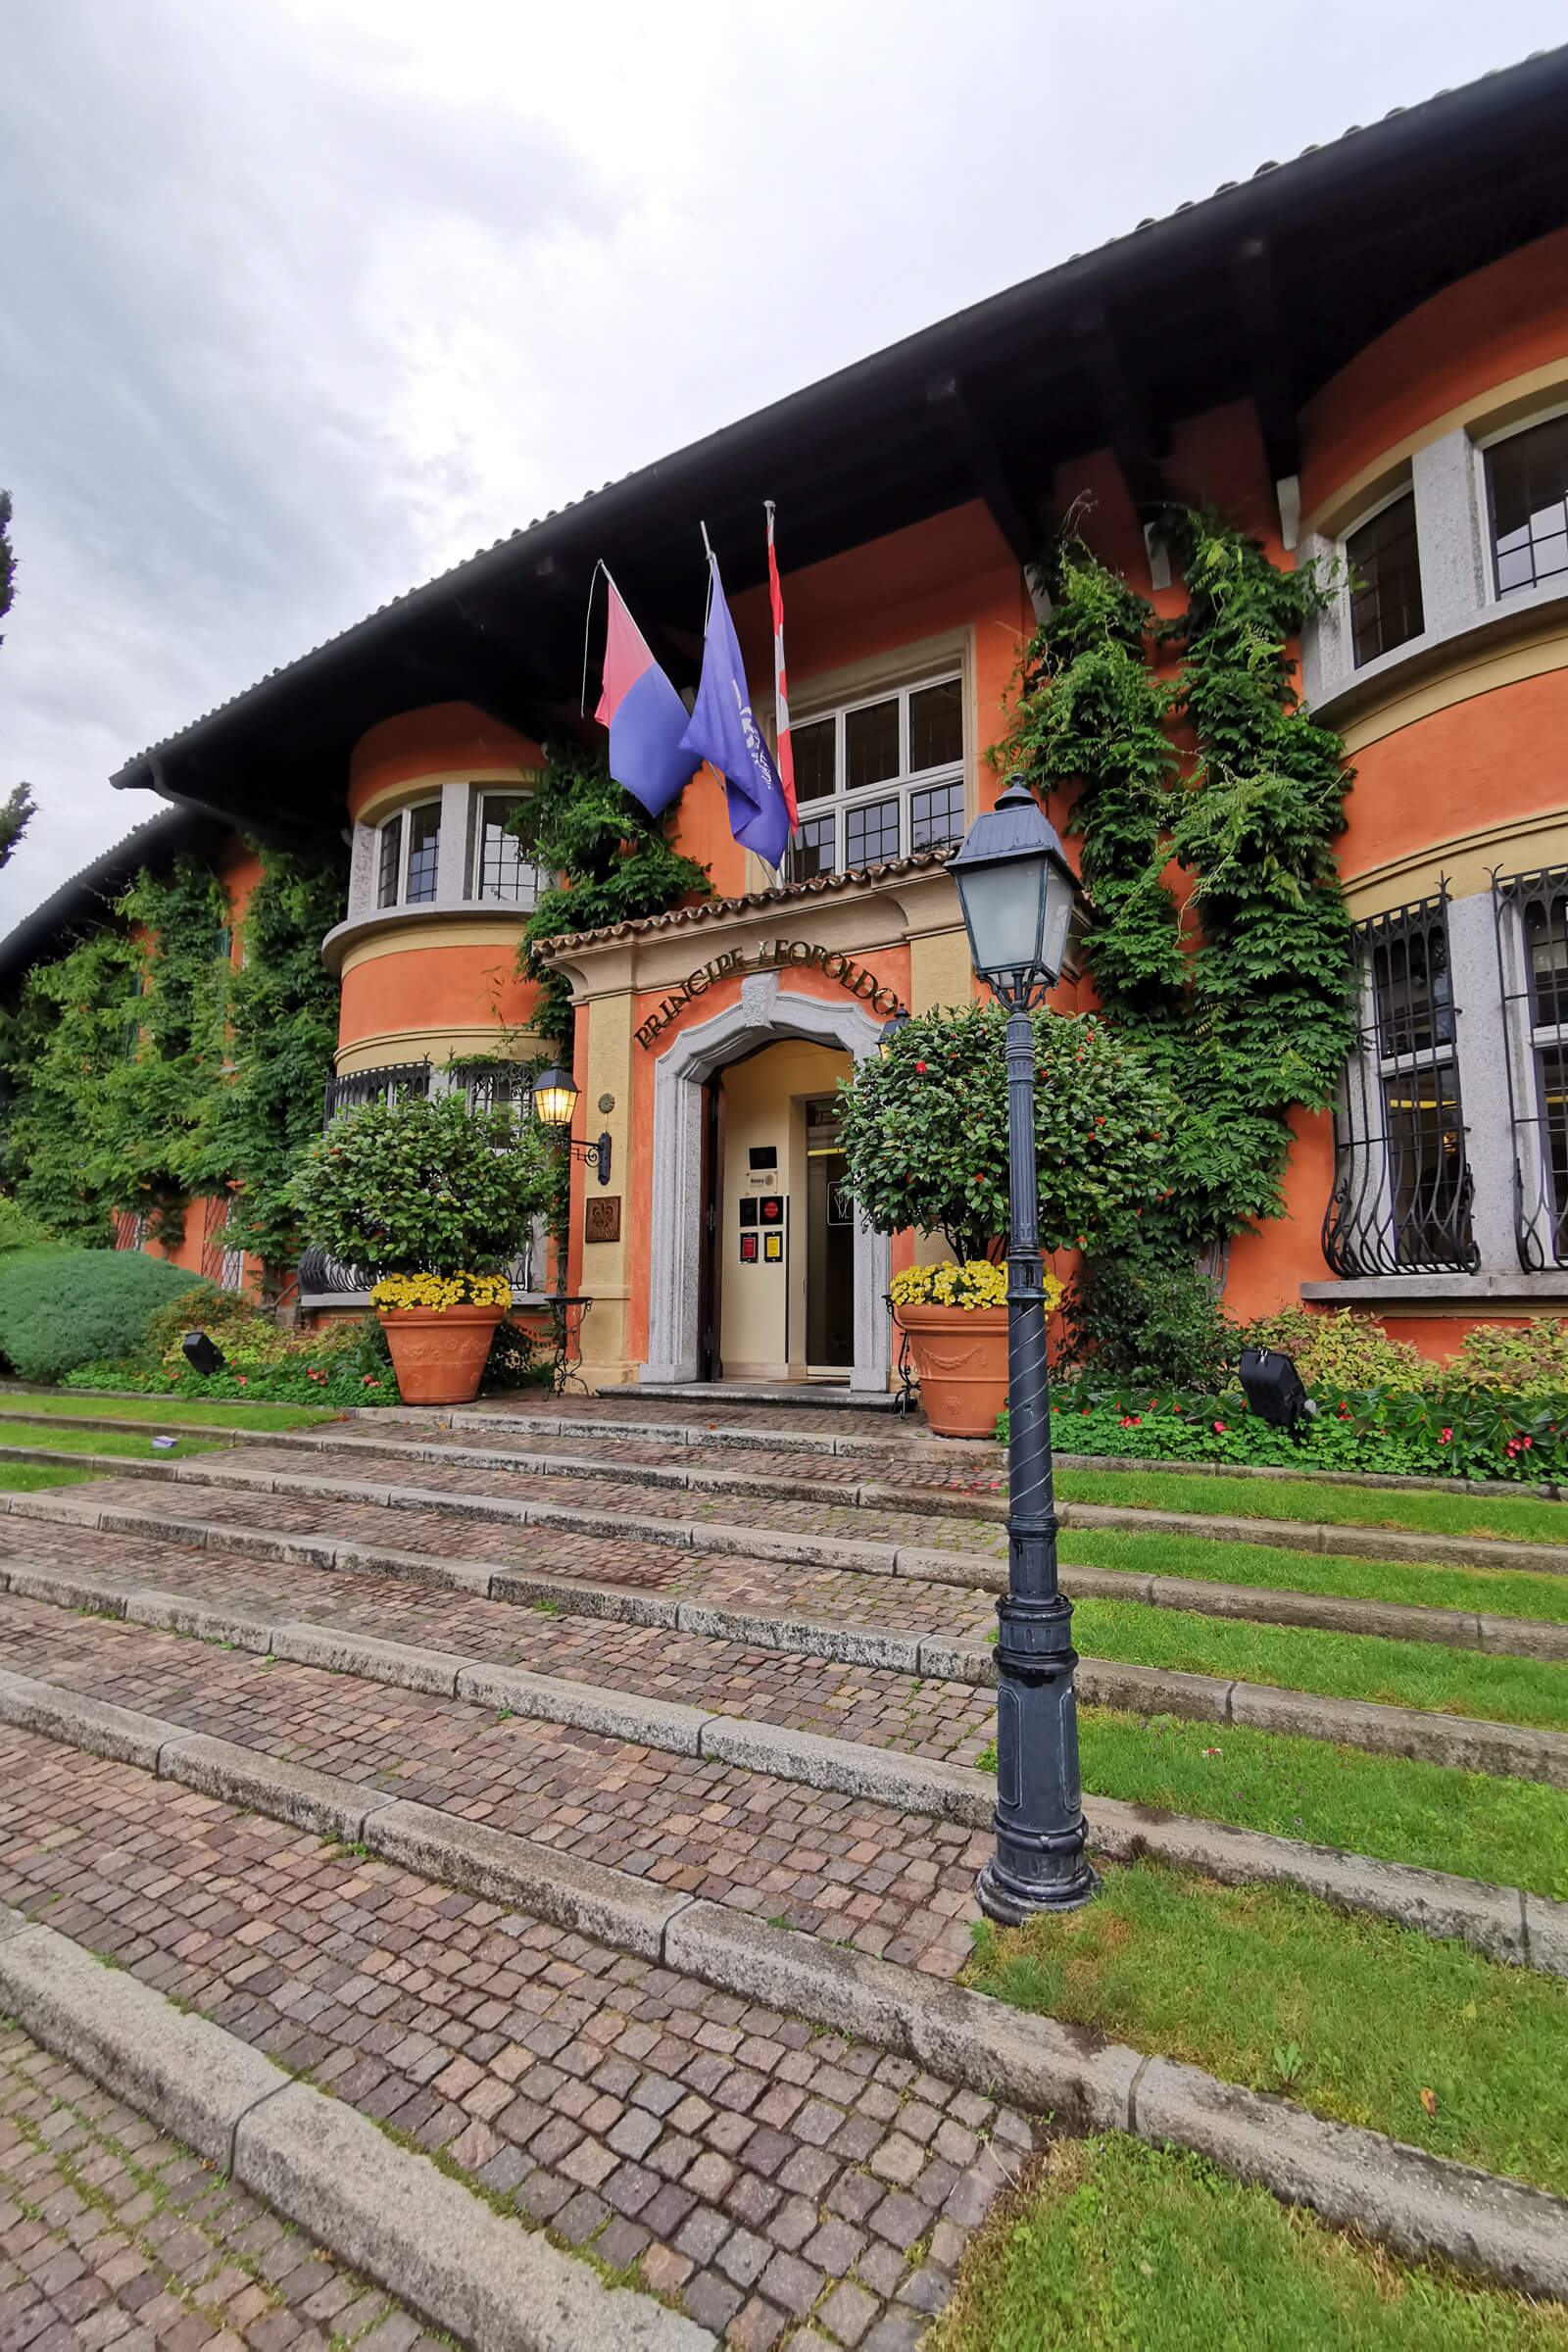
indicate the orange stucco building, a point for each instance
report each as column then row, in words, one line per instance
column 1361, row 358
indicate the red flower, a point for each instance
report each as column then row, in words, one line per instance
column 1528, row 1441
column 1445, row 1436
column 921, row 1066
column 1219, row 1429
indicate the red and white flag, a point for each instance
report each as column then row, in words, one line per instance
column 781, row 696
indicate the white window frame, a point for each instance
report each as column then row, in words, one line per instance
column 401, row 819
column 478, row 895
column 1556, row 582
column 905, row 784
column 1379, row 506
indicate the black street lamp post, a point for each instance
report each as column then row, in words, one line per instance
column 1017, row 891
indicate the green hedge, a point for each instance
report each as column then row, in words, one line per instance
column 71, row 1306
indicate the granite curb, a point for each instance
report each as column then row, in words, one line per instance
column 1505, row 1923
column 319, row 2163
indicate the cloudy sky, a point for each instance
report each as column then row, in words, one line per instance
column 302, row 299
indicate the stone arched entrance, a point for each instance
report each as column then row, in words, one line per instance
column 768, row 1010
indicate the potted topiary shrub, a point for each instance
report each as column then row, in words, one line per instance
column 434, row 1200
column 925, row 1136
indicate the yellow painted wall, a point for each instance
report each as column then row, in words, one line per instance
column 763, row 1307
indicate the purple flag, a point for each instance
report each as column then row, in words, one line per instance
column 722, row 730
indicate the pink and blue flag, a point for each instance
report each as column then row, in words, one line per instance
column 723, row 732
column 645, row 716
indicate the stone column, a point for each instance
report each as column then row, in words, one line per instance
column 607, row 1362
column 1481, row 1051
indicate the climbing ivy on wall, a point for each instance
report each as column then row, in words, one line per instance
column 1215, row 769
column 283, row 1011
column 146, row 1072
column 613, row 863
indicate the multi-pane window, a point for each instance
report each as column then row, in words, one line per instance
column 1385, row 568
column 409, row 857
column 500, row 869
column 1527, row 485
column 1531, row 913
column 879, row 778
column 1401, row 1196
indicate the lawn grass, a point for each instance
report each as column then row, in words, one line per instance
column 1488, row 1591
column 136, row 1442
column 1367, row 1666
column 24, row 1478
column 1509, row 1832
column 1110, row 2246
column 1516, row 1518
column 1348, row 2014
column 161, row 1410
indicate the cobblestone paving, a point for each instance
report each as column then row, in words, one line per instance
column 891, row 1883
column 770, row 2178
column 907, row 1465
column 868, row 1526
column 920, row 1716
column 778, row 1589
column 111, row 2234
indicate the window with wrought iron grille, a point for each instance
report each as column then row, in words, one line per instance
column 1527, row 490
column 1530, row 914
column 1384, row 562
column 409, row 857
column 387, row 1082
column 878, row 779
column 1403, row 1189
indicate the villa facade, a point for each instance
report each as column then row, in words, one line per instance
column 1360, row 356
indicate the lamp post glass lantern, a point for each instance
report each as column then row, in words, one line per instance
column 1018, row 890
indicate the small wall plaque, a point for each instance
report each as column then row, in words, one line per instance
column 748, row 1249
column 774, row 1248
column 601, row 1218
column 747, row 1210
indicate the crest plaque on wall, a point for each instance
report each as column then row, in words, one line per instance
column 601, row 1218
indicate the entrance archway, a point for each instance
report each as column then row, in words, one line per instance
column 767, row 1011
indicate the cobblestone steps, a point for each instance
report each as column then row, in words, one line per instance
column 112, row 2233
column 649, row 1831
column 722, row 2149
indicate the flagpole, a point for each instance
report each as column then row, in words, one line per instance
column 587, row 629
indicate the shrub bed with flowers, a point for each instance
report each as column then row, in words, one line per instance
column 1496, row 1409
column 345, row 1363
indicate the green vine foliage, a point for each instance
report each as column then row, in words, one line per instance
column 1246, row 1002
column 613, row 863
column 147, row 1072
column 67, row 1041
column 1255, row 826
column 283, row 1011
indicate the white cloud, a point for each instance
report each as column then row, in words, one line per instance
column 306, row 298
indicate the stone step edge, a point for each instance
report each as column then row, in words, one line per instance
column 1459, row 1742
column 812, row 1441
column 390, row 2214
column 983, row 1570
column 932, row 1501
column 1267, row 1604
column 1419, row 2205
column 1505, row 1923
column 959, row 1450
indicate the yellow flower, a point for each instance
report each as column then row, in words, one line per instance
column 438, row 1290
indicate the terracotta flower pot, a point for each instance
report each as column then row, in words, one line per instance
column 961, row 1356
column 438, row 1353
